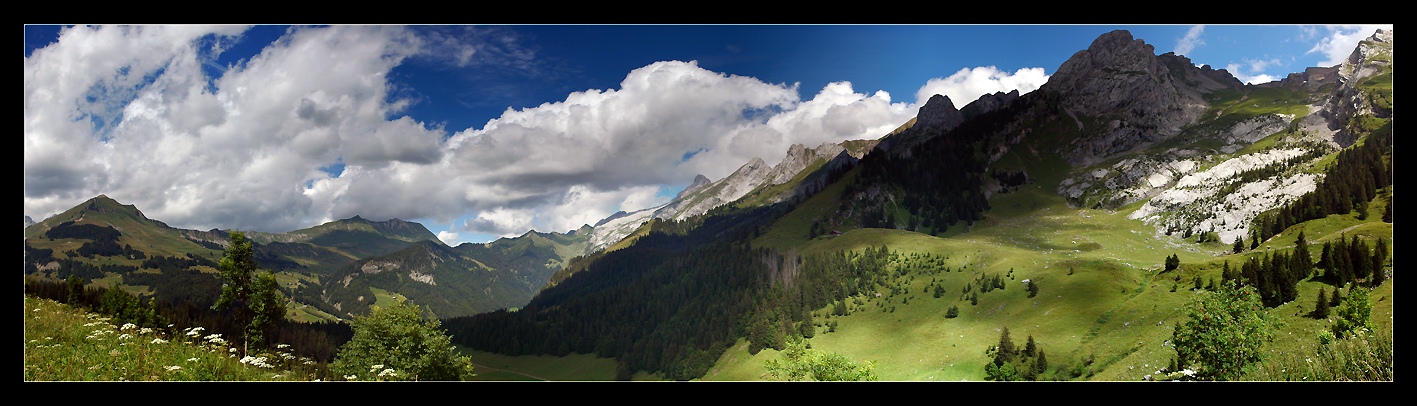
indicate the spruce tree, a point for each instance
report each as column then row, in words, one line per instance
column 1303, row 263
column 1379, row 257
column 1321, row 305
column 1387, row 210
column 1359, row 259
column 1005, row 352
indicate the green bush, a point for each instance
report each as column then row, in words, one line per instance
column 396, row 343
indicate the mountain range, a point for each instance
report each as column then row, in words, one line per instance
column 1123, row 156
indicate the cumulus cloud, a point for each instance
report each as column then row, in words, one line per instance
column 133, row 115
column 1252, row 71
column 968, row 84
column 131, row 112
column 1341, row 40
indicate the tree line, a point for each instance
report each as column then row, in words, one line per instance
column 1356, row 177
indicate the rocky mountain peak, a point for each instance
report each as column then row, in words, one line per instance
column 1363, row 62
column 937, row 116
column 1372, row 57
column 1143, row 98
column 987, row 103
column 939, row 112
column 700, row 181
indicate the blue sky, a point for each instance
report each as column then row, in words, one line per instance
column 486, row 131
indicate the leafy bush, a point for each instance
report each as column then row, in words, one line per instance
column 396, row 343
column 1224, row 333
column 802, row 364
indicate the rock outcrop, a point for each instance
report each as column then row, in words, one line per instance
column 1373, row 55
column 1140, row 97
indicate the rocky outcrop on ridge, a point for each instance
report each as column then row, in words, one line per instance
column 1142, row 98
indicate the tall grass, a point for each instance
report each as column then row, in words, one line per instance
column 1365, row 357
column 63, row 343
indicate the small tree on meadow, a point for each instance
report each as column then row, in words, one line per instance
column 396, row 343
column 251, row 295
column 1224, row 332
column 1321, row 305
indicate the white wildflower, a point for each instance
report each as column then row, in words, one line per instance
column 159, row 341
column 128, row 326
column 173, row 368
column 388, row 372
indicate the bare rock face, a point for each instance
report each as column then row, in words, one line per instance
column 1143, row 98
column 937, row 116
column 1348, row 101
column 987, row 103
column 939, row 112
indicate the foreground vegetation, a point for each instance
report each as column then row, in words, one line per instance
column 63, row 343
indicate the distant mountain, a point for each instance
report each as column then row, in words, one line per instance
column 1082, row 186
column 455, row 281
column 104, row 238
column 1060, row 185
column 802, row 171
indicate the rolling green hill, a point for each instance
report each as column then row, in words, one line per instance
column 916, row 259
column 1083, row 217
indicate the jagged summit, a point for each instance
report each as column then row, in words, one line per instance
column 700, row 181
column 1142, row 97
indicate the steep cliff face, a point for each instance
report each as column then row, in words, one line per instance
column 1373, row 57
column 937, row 116
column 1212, row 179
column 1135, row 96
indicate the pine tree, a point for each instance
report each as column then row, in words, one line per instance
column 251, row 295
column 1379, row 257
column 1321, row 305
column 1005, row 352
column 1359, row 258
column 1042, row 362
column 1326, row 259
column 1302, row 264
column 1239, row 244
column 1387, row 210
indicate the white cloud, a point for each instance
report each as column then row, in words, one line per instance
column 134, row 116
column 130, row 113
column 1190, row 41
column 1252, row 71
column 449, row 237
column 1341, row 40
column 967, row 84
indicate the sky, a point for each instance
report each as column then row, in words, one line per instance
column 486, row 131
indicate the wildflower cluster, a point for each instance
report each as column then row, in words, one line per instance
column 62, row 344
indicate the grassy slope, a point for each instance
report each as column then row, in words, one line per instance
column 1116, row 308
column 1110, row 318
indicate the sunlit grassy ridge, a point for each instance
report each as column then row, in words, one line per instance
column 1105, row 310
column 67, row 344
